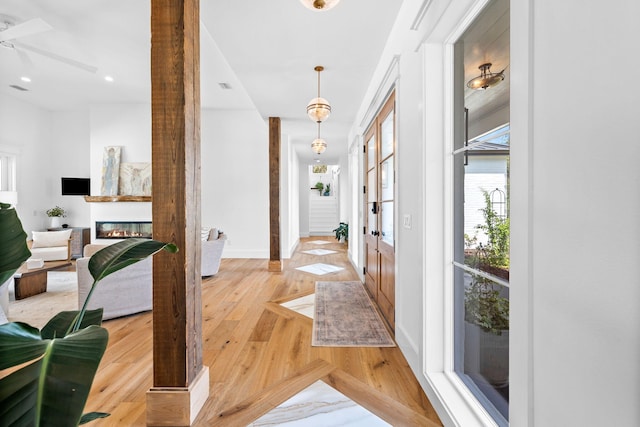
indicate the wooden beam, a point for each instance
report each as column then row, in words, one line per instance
column 177, row 311
column 275, row 258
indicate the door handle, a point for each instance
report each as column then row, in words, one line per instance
column 374, row 209
column 375, row 233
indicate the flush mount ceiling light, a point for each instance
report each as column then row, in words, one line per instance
column 319, row 4
column 319, row 145
column 318, row 109
column 486, row 79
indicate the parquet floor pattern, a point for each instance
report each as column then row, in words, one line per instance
column 259, row 353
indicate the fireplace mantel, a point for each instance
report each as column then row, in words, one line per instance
column 95, row 199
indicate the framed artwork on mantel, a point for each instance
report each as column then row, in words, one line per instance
column 110, row 171
column 135, row 179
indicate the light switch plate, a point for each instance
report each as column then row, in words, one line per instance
column 406, row 221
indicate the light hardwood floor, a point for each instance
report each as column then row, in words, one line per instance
column 259, row 353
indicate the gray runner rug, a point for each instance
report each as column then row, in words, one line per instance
column 345, row 317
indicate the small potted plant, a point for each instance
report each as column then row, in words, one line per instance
column 342, row 232
column 55, row 214
column 319, row 186
column 327, row 190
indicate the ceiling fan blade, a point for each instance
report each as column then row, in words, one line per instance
column 27, row 28
column 68, row 61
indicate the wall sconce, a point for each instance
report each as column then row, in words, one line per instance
column 486, row 79
column 319, row 5
column 318, row 109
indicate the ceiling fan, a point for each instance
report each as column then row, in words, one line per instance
column 10, row 32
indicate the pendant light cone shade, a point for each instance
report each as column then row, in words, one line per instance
column 319, row 5
column 318, row 109
column 486, row 79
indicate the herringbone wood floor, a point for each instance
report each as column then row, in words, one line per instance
column 259, row 353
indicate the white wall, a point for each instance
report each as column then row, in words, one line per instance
column 127, row 126
column 575, row 222
column 575, row 326
column 235, row 180
column 234, row 171
column 26, row 131
column 409, row 201
column 70, row 135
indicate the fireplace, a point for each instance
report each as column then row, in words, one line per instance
column 123, row 229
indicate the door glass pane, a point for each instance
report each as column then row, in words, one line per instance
column 371, row 152
column 372, row 194
column 387, row 222
column 386, row 136
column 386, row 179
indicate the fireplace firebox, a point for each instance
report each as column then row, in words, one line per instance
column 123, row 229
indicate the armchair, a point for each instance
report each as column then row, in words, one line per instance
column 51, row 245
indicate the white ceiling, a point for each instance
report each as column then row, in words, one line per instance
column 266, row 51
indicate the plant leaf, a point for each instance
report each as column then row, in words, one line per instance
column 59, row 324
column 54, row 388
column 14, row 243
column 92, row 416
column 122, row 254
column 19, row 343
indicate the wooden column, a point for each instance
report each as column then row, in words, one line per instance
column 275, row 259
column 180, row 381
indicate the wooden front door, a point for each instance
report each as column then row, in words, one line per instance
column 379, row 208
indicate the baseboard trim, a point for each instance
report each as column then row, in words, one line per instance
column 178, row 406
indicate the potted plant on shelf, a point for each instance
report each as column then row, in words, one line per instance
column 319, row 186
column 327, row 190
column 342, row 232
column 486, row 303
column 59, row 362
column 55, row 214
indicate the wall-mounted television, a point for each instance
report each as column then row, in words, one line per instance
column 76, row 186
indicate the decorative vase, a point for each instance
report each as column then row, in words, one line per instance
column 55, row 222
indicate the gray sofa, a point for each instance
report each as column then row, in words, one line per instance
column 124, row 292
column 130, row 290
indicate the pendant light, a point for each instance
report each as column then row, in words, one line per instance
column 319, row 145
column 318, row 109
column 486, row 79
column 319, row 5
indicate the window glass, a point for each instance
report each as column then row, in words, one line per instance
column 481, row 217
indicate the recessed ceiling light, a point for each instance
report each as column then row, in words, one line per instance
column 25, row 79
column 108, row 78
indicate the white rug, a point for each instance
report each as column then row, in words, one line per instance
column 319, row 242
column 61, row 295
column 319, row 252
column 303, row 305
column 319, row 405
column 320, row 269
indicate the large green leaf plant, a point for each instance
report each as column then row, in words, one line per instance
column 60, row 361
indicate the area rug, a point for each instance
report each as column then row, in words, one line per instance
column 345, row 317
column 61, row 295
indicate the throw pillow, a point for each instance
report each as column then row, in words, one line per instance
column 50, row 239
